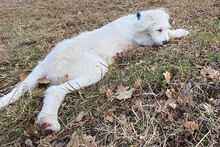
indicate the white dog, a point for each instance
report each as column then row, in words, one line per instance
column 86, row 57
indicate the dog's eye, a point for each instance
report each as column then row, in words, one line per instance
column 159, row 30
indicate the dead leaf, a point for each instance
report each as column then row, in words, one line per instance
column 210, row 72
column 78, row 141
column 124, row 93
column 89, row 140
column 192, row 126
column 22, row 76
column 109, row 94
column 64, row 79
column 137, row 83
column 32, row 131
column 74, row 140
column 173, row 105
column 110, row 111
column 80, row 116
column 93, row 121
column 46, row 140
column 37, row 91
column 109, row 118
column 43, row 81
column 102, row 90
column 167, row 77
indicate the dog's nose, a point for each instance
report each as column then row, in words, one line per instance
column 165, row 42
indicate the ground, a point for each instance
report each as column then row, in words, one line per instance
column 174, row 96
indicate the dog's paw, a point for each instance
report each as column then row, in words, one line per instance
column 47, row 125
column 180, row 33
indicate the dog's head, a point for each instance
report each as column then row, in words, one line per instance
column 152, row 27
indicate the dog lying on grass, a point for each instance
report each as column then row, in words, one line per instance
column 86, row 57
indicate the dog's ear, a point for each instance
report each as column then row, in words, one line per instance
column 164, row 10
column 144, row 21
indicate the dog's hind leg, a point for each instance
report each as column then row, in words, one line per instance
column 47, row 119
column 28, row 84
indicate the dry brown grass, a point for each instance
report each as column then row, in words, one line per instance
column 30, row 28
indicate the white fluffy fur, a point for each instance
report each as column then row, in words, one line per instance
column 86, row 57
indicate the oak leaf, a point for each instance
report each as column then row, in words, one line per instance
column 124, row 93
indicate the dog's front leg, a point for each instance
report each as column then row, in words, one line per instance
column 54, row 95
column 178, row 33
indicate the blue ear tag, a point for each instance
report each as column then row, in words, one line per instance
column 138, row 16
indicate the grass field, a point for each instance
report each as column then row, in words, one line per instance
column 184, row 111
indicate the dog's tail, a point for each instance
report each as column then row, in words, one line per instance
column 28, row 84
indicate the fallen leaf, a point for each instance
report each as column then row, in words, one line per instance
column 102, row 90
column 192, row 126
column 78, row 141
column 64, row 79
column 167, row 77
column 124, row 93
column 48, row 139
column 137, row 83
column 74, row 140
column 37, row 91
column 210, row 72
column 22, row 76
column 32, row 131
column 80, row 116
column 43, row 81
column 109, row 94
column 93, row 121
column 173, row 105
column 109, row 118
